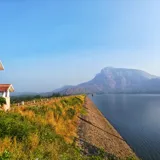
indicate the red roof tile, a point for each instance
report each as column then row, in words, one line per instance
column 5, row 87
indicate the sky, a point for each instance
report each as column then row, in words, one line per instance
column 47, row 44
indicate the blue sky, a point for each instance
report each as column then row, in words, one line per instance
column 47, row 44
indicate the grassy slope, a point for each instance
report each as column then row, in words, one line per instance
column 43, row 130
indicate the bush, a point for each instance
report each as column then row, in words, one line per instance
column 2, row 101
column 70, row 113
column 14, row 125
column 57, row 113
column 5, row 155
column 41, row 110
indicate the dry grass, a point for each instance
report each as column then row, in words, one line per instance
column 45, row 130
column 42, row 129
column 54, row 113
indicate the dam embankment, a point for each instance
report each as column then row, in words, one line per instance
column 95, row 130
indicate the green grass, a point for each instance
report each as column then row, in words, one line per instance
column 44, row 131
column 27, row 134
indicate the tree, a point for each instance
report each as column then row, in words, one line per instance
column 2, row 101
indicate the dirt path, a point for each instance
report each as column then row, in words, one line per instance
column 95, row 130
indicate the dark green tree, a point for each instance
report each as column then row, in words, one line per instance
column 2, row 101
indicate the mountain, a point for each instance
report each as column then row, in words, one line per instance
column 117, row 80
column 59, row 90
column 152, row 85
column 63, row 88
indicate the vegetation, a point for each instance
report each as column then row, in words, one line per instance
column 44, row 129
column 2, row 101
column 18, row 99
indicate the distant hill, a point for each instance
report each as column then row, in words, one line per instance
column 116, row 80
column 24, row 94
column 63, row 88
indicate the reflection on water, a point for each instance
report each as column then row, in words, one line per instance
column 137, row 118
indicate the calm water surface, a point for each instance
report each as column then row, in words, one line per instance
column 136, row 118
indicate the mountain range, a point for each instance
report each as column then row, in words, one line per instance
column 116, row 80
column 110, row 80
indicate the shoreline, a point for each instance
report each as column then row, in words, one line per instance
column 96, row 131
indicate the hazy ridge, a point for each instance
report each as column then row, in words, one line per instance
column 116, row 80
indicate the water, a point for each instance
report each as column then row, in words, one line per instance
column 136, row 118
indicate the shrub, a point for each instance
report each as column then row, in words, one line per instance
column 38, row 109
column 57, row 113
column 14, row 125
column 2, row 101
column 5, row 155
column 70, row 113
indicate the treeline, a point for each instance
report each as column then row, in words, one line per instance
column 18, row 99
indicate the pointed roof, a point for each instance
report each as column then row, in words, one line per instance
column 1, row 66
column 6, row 87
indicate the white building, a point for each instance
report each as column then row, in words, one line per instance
column 5, row 90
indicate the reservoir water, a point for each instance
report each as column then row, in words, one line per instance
column 137, row 118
